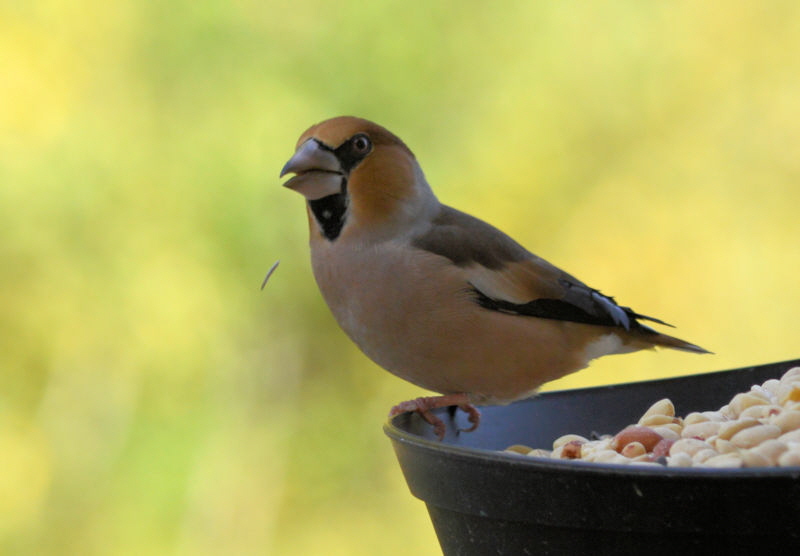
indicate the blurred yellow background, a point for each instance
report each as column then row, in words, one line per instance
column 154, row 401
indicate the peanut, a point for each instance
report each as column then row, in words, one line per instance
column 790, row 458
column 702, row 430
column 724, row 460
column 787, row 421
column 634, row 433
column 519, row 449
column 694, row 418
column 771, row 449
column 608, row 456
column 572, row 449
column 662, row 448
column 751, row 458
column 771, row 387
column 701, row 456
column 672, row 431
column 791, row 436
column 655, row 420
column 761, row 411
column 661, row 407
column 561, row 440
column 681, row 459
column 789, row 391
column 789, row 375
column 688, row 446
column 634, row 449
column 723, row 446
column 740, row 402
column 728, row 429
column 753, row 436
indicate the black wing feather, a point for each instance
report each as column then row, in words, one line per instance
column 579, row 304
column 467, row 241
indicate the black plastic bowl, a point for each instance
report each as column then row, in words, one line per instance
column 482, row 501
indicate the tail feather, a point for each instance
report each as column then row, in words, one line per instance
column 663, row 340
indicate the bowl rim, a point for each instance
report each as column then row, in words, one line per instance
column 579, row 467
column 499, row 457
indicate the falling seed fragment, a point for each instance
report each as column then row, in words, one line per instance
column 269, row 273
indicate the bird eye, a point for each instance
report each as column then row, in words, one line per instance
column 361, row 144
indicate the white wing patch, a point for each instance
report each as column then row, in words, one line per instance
column 497, row 284
column 605, row 345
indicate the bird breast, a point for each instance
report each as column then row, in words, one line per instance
column 413, row 313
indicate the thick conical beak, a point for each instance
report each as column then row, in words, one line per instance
column 318, row 171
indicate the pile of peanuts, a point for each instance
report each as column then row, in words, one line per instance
column 758, row 428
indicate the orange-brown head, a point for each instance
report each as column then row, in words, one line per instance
column 355, row 175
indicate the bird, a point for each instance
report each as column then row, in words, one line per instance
column 436, row 296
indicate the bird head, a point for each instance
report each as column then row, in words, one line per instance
column 357, row 176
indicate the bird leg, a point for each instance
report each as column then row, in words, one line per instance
column 424, row 405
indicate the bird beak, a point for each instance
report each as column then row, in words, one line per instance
column 318, row 172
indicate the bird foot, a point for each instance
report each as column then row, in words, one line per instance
column 425, row 405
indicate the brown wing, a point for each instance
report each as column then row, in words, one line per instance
column 506, row 277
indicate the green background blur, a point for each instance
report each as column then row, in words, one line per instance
column 154, row 401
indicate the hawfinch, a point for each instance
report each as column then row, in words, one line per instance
column 436, row 296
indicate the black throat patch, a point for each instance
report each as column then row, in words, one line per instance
column 331, row 211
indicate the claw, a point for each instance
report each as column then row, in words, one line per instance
column 424, row 405
column 473, row 415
